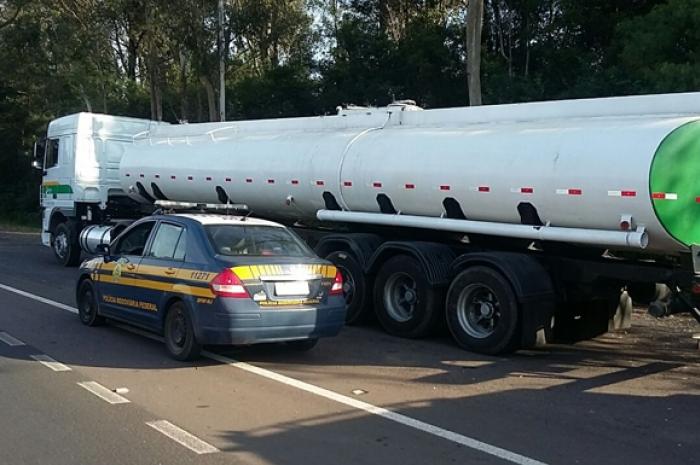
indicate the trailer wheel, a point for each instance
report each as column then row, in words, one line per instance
column 406, row 304
column 482, row 312
column 354, row 287
column 64, row 242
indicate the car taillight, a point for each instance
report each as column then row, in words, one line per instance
column 228, row 284
column 337, row 287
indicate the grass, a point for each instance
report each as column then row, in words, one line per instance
column 26, row 224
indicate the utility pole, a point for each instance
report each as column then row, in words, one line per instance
column 222, row 65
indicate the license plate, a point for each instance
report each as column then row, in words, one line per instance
column 292, row 288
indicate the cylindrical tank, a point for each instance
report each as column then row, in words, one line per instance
column 613, row 164
column 93, row 236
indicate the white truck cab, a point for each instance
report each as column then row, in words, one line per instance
column 80, row 161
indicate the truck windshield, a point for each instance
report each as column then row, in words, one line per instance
column 258, row 241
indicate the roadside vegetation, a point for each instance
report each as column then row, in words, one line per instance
column 159, row 59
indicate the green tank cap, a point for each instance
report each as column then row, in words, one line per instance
column 674, row 183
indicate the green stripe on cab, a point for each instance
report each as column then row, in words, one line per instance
column 57, row 189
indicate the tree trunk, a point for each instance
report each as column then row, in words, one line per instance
column 475, row 17
column 86, row 99
column 156, row 98
column 184, row 113
column 211, row 98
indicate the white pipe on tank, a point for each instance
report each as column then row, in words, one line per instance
column 614, row 239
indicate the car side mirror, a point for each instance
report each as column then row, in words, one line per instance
column 36, row 164
column 105, row 251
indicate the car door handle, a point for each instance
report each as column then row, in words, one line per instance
column 170, row 271
column 131, row 267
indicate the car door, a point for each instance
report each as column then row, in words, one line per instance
column 160, row 265
column 121, row 288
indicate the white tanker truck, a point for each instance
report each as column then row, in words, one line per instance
column 508, row 222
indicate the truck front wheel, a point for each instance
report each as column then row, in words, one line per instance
column 482, row 312
column 406, row 304
column 64, row 242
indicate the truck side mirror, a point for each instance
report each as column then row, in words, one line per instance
column 38, row 158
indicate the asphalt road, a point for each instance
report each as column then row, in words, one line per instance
column 361, row 398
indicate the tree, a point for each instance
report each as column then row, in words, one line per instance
column 475, row 18
column 659, row 51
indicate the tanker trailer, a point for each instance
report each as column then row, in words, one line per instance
column 509, row 222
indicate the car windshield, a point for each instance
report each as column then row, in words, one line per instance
column 255, row 240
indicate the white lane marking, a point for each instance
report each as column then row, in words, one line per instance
column 43, row 300
column 349, row 401
column 103, row 393
column 182, row 437
column 50, row 363
column 380, row 411
column 9, row 340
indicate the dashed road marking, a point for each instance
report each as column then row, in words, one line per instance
column 325, row 393
column 182, row 437
column 9, row 340
column 50, row 363
column 103, row 393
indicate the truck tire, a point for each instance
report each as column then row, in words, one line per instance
column 482, row 312
column 64, row 242
column 355, row 287
column 405, row 302
column 179, row 334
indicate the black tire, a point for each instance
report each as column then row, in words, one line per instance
column 405, row 303
column 355, row 287
column 88, row 305
column 303, row 345
column 494, row 326
column 180, row 340
column 64, row 242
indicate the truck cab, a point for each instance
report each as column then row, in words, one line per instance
column 80, row 159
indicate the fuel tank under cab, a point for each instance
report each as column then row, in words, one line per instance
column 625, row 169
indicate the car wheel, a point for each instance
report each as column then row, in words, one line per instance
column 355, row 287
column 482, row 312
column 405, row 302
column 88, row 307
column 303, row 345
column 180, row 340
column 64, row 242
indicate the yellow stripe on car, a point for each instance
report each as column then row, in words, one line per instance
column 254, row 272
column 178, row 288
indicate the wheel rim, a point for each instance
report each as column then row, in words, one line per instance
column 478, row 311
column 348, row 285
column 178, row 329
column 87, row 305
column 60, row 244
column 400, row 297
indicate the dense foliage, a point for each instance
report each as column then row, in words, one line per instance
column 159, row 59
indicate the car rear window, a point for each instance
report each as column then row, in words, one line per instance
column 257, row 241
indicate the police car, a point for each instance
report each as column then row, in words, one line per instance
column 213, row 279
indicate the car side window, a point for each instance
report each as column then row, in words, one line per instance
column 134, row 241
column 166, row 242
column 181, row 249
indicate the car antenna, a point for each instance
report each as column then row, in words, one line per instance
column 250, row 212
